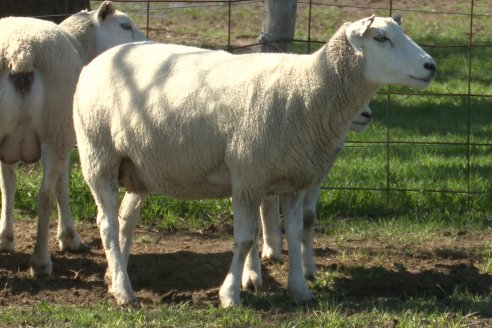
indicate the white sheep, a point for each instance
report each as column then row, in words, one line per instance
column 211, row 124
column 39, row 68
column 270, row 219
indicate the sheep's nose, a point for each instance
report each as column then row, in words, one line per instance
column 367, row 115
column 430, row 66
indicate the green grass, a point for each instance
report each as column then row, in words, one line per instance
column 411, row 217
column 416, row 312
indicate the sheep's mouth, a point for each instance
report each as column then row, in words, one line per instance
column 427, row 80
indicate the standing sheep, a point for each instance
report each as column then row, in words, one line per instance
column 40, row 65
column 270, row 220
column 272, row 236
column 211, row 124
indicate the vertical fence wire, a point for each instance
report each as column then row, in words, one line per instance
column 469, row 104
column 388, row 132
column 309, row 26
column 147, row 19
column 229, row 26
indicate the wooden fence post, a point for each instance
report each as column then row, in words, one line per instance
column 279, row 26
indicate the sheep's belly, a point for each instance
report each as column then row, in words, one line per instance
column 20, row 145
column 136, row 179
column 215, row 185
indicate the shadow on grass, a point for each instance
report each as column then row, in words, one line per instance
column 458, row 288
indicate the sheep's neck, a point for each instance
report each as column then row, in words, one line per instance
column 341, row 87
column 78, row 26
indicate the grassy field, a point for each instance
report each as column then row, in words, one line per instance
column 413, row 150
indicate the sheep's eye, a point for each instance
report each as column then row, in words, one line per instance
column 381, row 38
column 126, row 26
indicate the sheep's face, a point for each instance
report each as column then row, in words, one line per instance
column 362, row 121
column 390, row 56
column 114, row 27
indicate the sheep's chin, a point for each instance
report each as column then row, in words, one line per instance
column 419, row 82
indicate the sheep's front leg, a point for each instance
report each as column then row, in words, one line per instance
column 68, row 238
column 272, row 235
column 245, row 226
column 292, row 209
column 8, row 185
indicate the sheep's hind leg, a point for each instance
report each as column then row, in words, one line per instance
column 68, row 238
column 52, row 167
column 129, row 213
column 309, row 215
column 272, row 235
column 106, row 196
column 8, row 185
column 292, row 209
column 245, row 224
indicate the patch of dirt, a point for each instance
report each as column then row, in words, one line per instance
column 168, row 268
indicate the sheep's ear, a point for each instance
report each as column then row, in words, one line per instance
column 360, row 27
column 398, row 19
column 106, row 9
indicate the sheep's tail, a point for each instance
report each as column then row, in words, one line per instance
column 19, row 57
column 19, row 61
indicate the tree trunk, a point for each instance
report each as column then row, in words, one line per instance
column 279, row 26
column 53, row 10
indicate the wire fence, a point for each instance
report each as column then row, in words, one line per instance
column 229, row 24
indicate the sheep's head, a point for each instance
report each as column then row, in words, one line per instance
column 114, row 27
column 362, row 121
column 390, row 56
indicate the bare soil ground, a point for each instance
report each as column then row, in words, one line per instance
column 168, row 268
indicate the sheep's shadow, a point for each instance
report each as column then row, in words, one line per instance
column 362, row 288
column 183, row 271
column 68, row 272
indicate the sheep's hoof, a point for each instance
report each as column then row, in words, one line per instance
column 227, row 298
column 250, row 285
column 271, row 256
column 81, row 248
column 125, row 299
column 309, row 303
column 7, row 244
column 310, row 276
column 309, row 271
column 226, row 303
column 302, row 296
column 251, row 281
column 41, row 270
column 69, row 240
